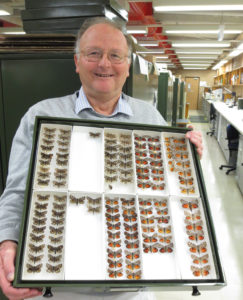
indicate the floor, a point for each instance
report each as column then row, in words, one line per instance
column 226, row 203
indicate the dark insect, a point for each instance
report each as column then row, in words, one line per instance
column 49, row 130
column 34, row 269
column 114, row 264
column 110, row 148
column 132, row 255
column 125, row 156
column 46, row 148
column 114, row 254
column 49, row 136
column 94, row 134
column 59, row 206
column 64, row 131
column 125, row 164
column 38, row 229
column 35, row 248
column 110, row 171
column 43, row 182
column 110, row 178
column 77, row 200
column 62, row 156
column 37, row 221
column 56, row 230
column 34, row 258
column 94, row 209
column 55, row 240
column 37, row 238
column 126, row 179
column 110, row 136
column 44, row 175
column 125, row 149
column 60, row 143
column 111, row 155
column 125, row 136
column 57, row 221
column 58, row 214
column 63, row 150
column 60, row 176
column 60, row 199
column 46, row 156
column 40, row 214
column 47, row 142
column 131, row 218
column 134, row 275
column 54, row 249
column 53, row 269
column 111, row 163
column 45, row 162
column 44, row 170
column 63, row 137
column 61, row 171
column 132, row 266
column 94, row 201
column 115, row 273
column 62, row 162
column 41, row 206
column 43, row 197
column 59, row 183
column 53, row 258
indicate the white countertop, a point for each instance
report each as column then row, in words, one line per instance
column 233, row 115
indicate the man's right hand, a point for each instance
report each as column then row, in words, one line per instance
column 7, row 259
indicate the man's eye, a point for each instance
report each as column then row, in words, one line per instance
column 116, row 56
column 94, row 53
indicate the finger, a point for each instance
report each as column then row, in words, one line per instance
column 8, row 257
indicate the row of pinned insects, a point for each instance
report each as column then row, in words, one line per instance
column 196, row 237
column 53, row 234
column 54, row 142
column 128, row 236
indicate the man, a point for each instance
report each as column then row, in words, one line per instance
column 102, row 60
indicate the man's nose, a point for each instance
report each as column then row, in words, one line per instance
column 104, row 61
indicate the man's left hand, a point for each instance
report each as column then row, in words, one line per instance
column 196, row 138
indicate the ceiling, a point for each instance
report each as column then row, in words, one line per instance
column 162, row 28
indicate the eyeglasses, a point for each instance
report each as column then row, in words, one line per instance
column 95, row 55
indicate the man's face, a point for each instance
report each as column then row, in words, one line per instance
column 102, row 78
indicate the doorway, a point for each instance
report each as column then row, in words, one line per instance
column 192, row 92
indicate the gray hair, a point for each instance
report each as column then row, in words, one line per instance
column 101, row 20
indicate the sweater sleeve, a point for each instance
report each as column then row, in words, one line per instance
column 12, row 199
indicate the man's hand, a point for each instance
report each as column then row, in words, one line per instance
column 7, row 257
column 196, row 138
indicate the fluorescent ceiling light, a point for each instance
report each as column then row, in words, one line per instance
column 162, row 57
column 201, row 31
column 220, row 64
column 4, row 12
column 137, row 29
column 173, row 8
column 194, row 68
column 237, row 51
column 199, row 45
column 151, row 52
column 195, row 64
column 196, row 61
column 110, row 15
column 197, row 52
column 197, row 57
column 13, row 32
column 148, row 43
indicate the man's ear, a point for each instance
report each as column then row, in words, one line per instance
column 76, row 60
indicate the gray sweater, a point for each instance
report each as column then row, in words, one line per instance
column 12, row 199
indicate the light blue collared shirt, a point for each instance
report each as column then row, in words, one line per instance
column 82, row 103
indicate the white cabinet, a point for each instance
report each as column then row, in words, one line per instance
column 222, row 136
column 239, row 167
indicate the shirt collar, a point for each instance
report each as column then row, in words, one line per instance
column 122, row 106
